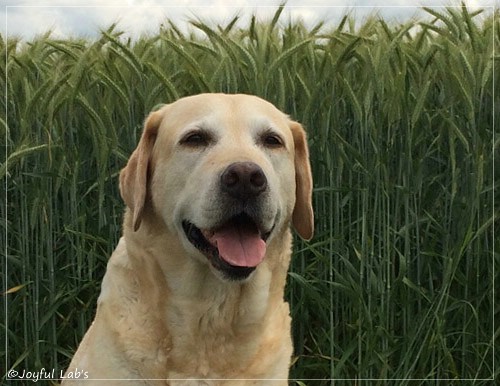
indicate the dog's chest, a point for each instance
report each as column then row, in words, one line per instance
column 214, row 336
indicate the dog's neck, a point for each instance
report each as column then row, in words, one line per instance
column 189, row 281
column 193, row 310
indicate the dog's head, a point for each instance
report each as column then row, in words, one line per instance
column 227, row 173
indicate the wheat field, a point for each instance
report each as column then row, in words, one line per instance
column 396, row 287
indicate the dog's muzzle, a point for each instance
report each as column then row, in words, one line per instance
column 237, row 244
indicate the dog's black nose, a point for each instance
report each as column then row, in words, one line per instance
column 243, row 180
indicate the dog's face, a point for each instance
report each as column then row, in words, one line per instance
column 224, row 172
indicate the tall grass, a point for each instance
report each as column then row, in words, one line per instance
column 398, row 281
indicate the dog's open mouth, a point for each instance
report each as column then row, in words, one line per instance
column 236, row 247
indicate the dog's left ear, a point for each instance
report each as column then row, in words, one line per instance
column 134, row 176
column 303, row 216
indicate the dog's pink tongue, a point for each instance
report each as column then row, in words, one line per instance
column 240, row 246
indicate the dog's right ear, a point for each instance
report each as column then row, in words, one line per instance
column 134, row 176
column 303, row 215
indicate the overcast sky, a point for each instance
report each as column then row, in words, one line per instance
column 28, row 18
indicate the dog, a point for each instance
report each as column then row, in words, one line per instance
column 194, row 292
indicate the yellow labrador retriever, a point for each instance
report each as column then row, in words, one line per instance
column 193, row 293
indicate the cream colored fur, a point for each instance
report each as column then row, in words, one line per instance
column 165, row 316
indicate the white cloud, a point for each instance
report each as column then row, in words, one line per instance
column 28, row 18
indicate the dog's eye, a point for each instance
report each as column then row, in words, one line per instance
column 272, row 140
column 197, row 138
